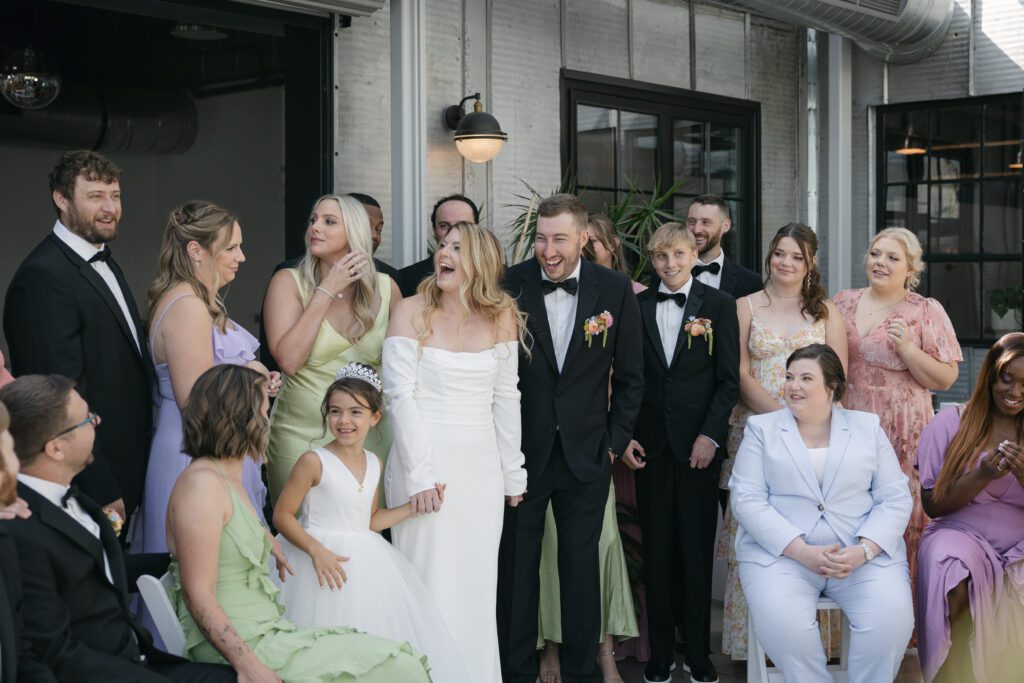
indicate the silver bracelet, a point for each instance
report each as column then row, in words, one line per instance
column 329, row 293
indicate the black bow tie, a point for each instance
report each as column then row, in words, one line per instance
column 101, row 255
column 570, row 286
column 72, row 492
column 678, row 297
column 712, row 268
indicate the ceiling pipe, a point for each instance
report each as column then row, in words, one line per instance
column 895, row 31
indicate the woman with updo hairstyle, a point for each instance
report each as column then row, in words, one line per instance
column 330, row 310
column 822, row 505
column 189, row 332
column 902, row 348
column 791, row 312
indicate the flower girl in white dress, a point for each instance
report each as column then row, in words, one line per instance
column 346, row 574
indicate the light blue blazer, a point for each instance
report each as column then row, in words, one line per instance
column 775, row 496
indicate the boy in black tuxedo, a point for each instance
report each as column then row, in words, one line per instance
column 691, row 375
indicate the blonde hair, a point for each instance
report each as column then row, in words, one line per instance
column 481, row 292
column 360, row 240
column 911, row 249
column 669, row 234
column 196, row 221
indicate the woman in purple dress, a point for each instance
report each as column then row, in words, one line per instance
column 190, row 332
column 970, row 577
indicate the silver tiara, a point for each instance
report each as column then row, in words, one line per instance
column 359, row 371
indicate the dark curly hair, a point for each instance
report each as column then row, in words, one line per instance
column 80, row 162
column 812, row 294
column 223, row 416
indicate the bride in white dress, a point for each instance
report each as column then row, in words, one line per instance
column 450, row 371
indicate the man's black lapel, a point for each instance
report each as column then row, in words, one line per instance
column 586, row 298
column 55, row 518
column 110, row 544
column 537, row 312
column 727, row 283
column 97, row 282
column 692, row 309
column 649, row 313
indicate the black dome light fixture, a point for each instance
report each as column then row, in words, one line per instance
column 478, row 137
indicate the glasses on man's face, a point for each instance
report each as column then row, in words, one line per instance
column 91, row 418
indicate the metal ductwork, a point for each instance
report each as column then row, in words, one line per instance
column 897, row 31
column 112, row 119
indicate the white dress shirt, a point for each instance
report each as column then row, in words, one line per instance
column 87, row 250
column 561, row 309
column 709, row 278
column 669, row 315
column 53, row 492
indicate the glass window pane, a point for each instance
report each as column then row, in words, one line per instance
column 955, row 285
column 906, row 142
column 638, row 150
column 955, row 218
column 955, row 151
column 688, row 155
column 724, row 160
column 1003, row 280
column 1001, row 231
column 733, row 241
column 595, row 145
column 597, row 201
column 1002, row 152
column 906, row 206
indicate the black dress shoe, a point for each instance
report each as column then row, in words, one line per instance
column 658, row 671
column 703, row 671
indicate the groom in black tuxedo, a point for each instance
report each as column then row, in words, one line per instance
column 571, row 434
column 73, row 577
column 69, row 311
column 691, row 363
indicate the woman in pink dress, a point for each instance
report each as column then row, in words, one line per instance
column 901, row 347
column 970, row 577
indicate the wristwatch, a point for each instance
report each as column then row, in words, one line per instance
column 868, row 553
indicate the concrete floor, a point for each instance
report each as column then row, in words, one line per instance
column 730, row 671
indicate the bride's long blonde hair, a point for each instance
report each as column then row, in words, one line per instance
column 480, row 293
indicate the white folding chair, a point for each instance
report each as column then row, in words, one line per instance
column 758, row 670
column 155, row 594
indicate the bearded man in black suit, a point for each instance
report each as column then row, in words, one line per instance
column 69, row 311
column 585, row 323
column 73, row 577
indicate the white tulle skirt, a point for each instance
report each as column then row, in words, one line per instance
column 382, row 596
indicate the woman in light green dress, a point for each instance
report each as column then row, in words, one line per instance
column 222, row 591
column 330, row 310
column 618, row 614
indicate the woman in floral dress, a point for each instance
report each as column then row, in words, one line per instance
column 790, row 313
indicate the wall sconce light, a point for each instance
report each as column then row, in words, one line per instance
column 908, row 148
column 478, row 137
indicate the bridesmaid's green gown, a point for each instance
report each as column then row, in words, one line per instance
column 247, row 594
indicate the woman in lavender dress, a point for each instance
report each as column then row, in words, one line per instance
column 970, row 577
column 190, row 332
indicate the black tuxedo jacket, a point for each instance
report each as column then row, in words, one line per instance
column 78, row 622
column 575, row 401
column 693, row 392
column 18, row 662
column 737, row 280
column 410, row 277
column 61, row 318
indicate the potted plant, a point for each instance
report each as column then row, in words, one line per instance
column 1005, row 304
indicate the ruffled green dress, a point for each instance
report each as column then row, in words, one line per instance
column 618, row 615
column 247, row 595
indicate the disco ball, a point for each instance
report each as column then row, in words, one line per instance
column 27, row 82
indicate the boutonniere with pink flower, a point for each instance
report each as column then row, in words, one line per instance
column 598, row 324
column 699, row 327
column 115, row 520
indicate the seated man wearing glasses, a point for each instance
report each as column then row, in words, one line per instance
column 74, row 582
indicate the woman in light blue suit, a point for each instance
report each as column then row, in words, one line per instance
column 822, row 505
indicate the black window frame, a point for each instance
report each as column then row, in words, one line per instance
column 669, row 103
column 882, row 185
